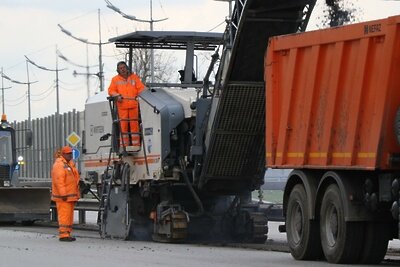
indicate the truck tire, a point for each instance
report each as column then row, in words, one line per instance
column 375, row 242
column 302, row 233
column 341, row 241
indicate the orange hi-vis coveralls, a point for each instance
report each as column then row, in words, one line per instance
column 128, row 109
column 65, row 193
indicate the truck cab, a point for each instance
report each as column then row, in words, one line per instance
column 8, row 158
column 18, row 203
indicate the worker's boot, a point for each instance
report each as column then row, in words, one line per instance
column 67, row 239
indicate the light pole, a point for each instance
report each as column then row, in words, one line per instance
column 87, row 67
column 29, row 90
column 87, row 74
column 2, row 91
column 56, row 70
column 99, row 44
column 151, row 21
column 101, row 76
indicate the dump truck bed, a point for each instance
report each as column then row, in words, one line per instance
column 332, row 97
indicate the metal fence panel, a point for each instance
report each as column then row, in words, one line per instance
column 49, row 134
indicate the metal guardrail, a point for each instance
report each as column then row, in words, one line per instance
column 81, row 206
column 34, row 182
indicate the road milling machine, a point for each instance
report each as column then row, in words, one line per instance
column 20, row 201
column 202, row 147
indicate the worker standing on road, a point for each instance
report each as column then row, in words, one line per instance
column 65, row 191
column 127, row 86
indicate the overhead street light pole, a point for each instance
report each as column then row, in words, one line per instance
column 75, row 73
column 56, row 70
column 2, row 91
column 29, row 90
column 87, row 67
column 152, row 50
column 99, row 44
column 101, row 76
column 151, row 21
column 29, row 94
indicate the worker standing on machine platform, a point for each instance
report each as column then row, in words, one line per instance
column 126, row 86
column 65, row 191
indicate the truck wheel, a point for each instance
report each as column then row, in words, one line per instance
column 302, row 233
column 341, row 241
column 375, row 242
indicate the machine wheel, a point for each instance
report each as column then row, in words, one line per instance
column 302, row 233
column 341, row 241
column 375, row 242
column 250, row 227
column 172, row 227
column 259, row 227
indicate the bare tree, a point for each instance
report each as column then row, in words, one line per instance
column 163, row 65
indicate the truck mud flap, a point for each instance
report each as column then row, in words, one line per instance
column 24, row 204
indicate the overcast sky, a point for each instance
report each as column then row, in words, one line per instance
column 29, row 27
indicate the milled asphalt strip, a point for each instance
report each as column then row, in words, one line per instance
column 270, row 245
column 91, row 231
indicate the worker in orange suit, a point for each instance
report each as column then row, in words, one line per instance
column 65, row 191
column 126, row 86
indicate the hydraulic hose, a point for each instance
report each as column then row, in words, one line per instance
column 189, row 185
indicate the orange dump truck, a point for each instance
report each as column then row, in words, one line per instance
column 333, row 116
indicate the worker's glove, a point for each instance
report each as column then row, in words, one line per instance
column 84, row 187
column 115, row 98
column 118, row 98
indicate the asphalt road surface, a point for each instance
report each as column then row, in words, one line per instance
column 22, row 246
